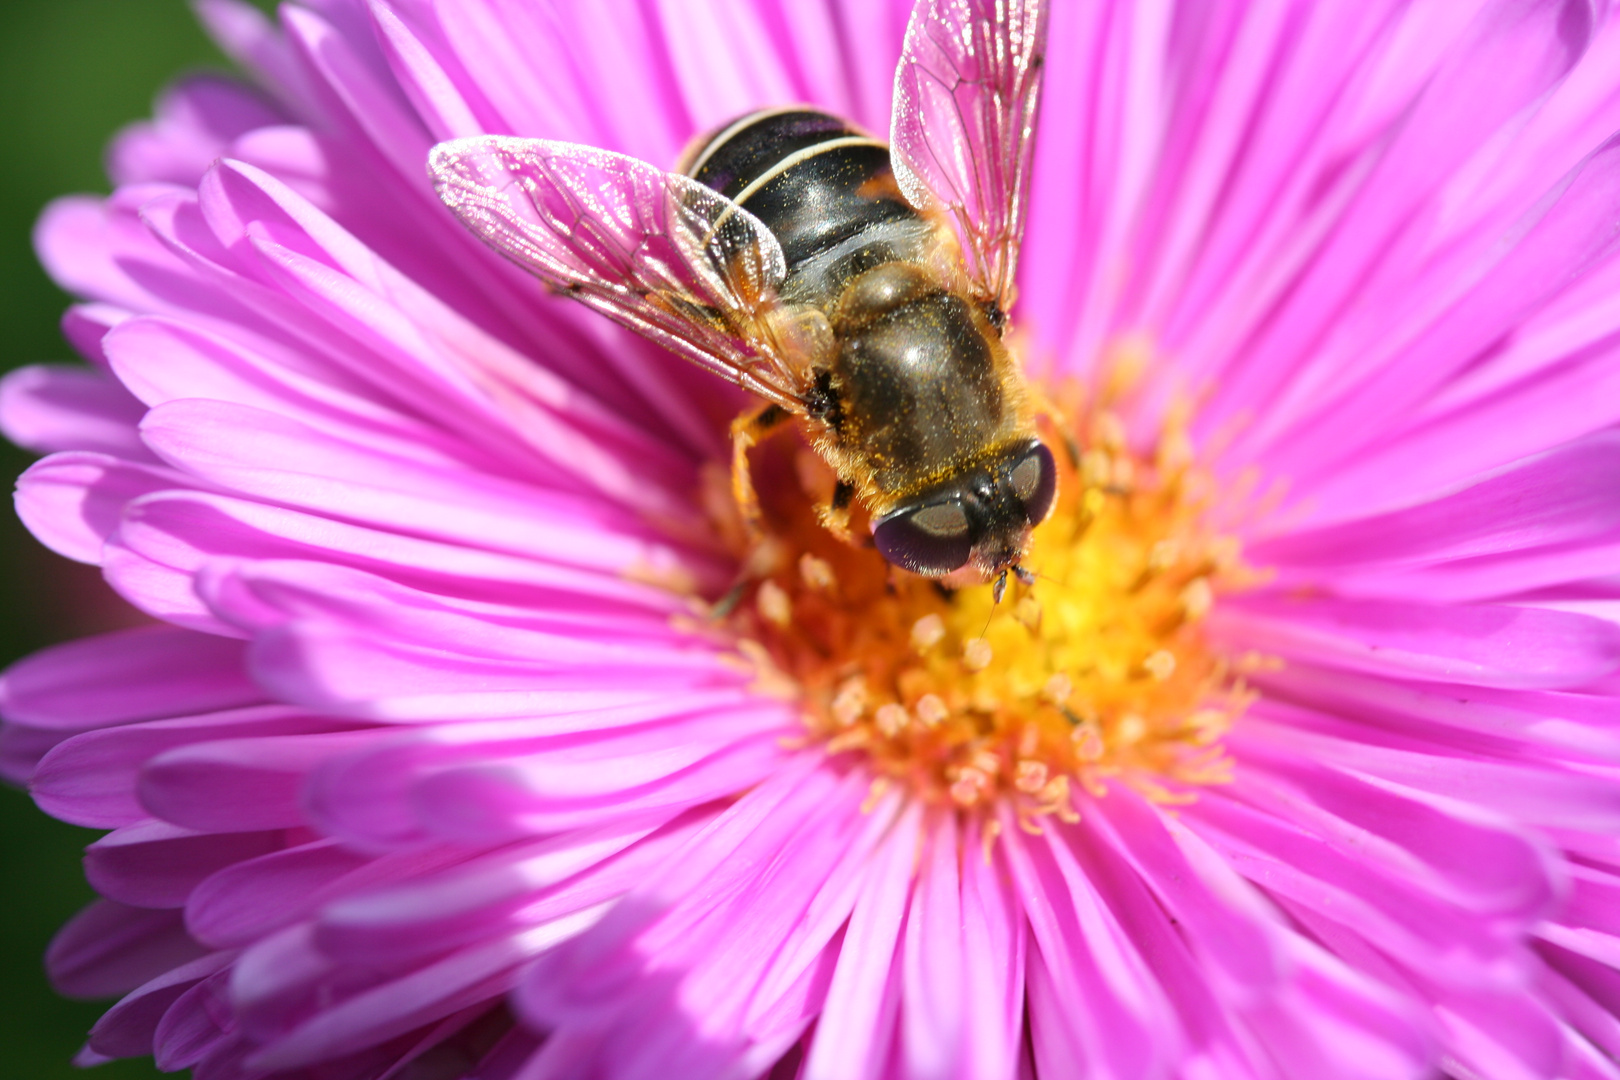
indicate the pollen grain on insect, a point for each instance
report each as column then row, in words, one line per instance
column 1099, row 672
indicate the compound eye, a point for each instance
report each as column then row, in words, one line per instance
column 1035, row 480
column 932, row 540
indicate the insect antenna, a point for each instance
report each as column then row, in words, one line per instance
column 996, row 593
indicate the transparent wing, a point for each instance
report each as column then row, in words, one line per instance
column 965, row 99
column 658, row 252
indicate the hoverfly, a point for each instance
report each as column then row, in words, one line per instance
column 859, row 288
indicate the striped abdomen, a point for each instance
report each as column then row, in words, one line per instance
column 823, row 188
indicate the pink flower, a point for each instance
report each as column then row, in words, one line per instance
column 451, row 751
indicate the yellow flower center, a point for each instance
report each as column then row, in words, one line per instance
column 1099, row 670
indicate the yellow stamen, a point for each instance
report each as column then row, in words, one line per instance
column 977, row 654
column 932, row 710
column 927, row 632
column 1098, row 673
column 816, row 573
column 774, row 604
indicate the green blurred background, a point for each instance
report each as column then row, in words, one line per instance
column 71, row 73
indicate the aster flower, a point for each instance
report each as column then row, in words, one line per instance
column 452, row 749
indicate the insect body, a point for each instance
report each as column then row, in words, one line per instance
column 911, row 383
column 860, row 289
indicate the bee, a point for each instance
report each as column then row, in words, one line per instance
column 859, row 288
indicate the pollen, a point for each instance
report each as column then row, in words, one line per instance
column 1096, row 673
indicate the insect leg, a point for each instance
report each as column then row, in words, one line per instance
column 835, row 515
column 746, row 431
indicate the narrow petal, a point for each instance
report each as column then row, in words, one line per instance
column 194, row 120
column 185, row 530
column 235, row 446
column 464, row 979
column 239, row 785
column 110, row 949
column 127, row 1029
column 142, row 674
column 255, row 898
column 504, row 892
column 1092, row 1000
column 855, row 1033
column 1555, row 498
column 1479, row 645
column 155, row 865
column 72, row 500
column 90, row 779
column 56, row 407
column 933, row 1005
column 1554, row 247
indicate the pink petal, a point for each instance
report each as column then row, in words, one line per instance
column 1401, row 909
column 1465, row 856
column 934, row 1004
column 84, row 325
column 504, row 892
column 195, row 119
column 1541, row 791
column 51, row 408
column 254, row 899
column 854, row 1035
column 22, row 747
column 274, row 458
column 238, row 785
column 90, row 778
column 1501, row 63
column 72, row 501
column 243, row 33
column 156, row 865
column 189, row 1029
column 1229, row 932
column 140, row 674
column 186, row 529
column 162, row 592
column 465, row 978
column 728, row 988
column 467, row 297
column 126, row 1029
column 1093, row 1004
column 371, row 796
column 163, row 359
column 995, row 945
column 1512, row 1036
column 1555, row 498
column 543, row 86
column 658, row 914
column 354, row 85
column 438, row 97
column 496, row 802
column 71, row 241
column 718, row 93
column 349, row 646
column 1554, row 246
column 110, row 949
column 1552, row 723
column 1479, row 645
